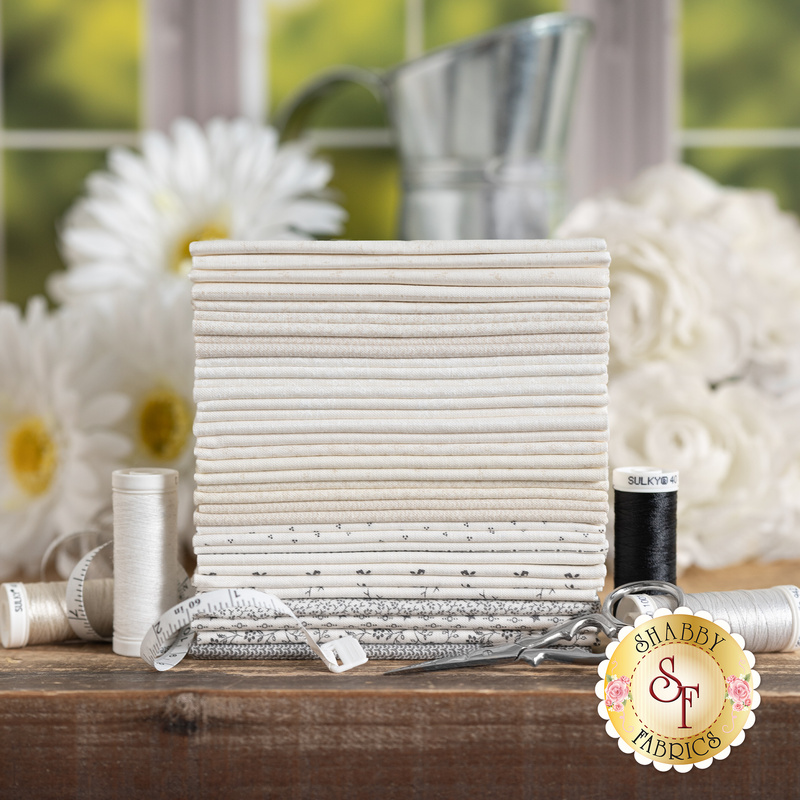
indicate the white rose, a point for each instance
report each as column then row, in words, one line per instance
column 767, row 241
column 673, row 192
column 721, row 441
column 784, row 541
column 675, row 289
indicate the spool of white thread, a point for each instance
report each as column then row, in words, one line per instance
column 38, row 613
column 145, row 552
column 768, row 619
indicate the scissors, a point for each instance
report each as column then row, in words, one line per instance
column 536, row 649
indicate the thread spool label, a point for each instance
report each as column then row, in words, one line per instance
column 644, row 480
column 678, row 690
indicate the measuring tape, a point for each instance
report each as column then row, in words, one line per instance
column 169, row 640
column 76, row 609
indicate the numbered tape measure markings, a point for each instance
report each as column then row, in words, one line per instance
column 76, row 609
column 169, row 639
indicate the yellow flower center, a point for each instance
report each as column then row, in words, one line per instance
column 32, row 455
column 182, row 261
column 165, row 423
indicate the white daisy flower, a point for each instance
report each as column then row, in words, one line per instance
column 227, row 180
column 150, row 336
column 58, row 449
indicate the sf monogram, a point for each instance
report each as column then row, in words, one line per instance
column 682, row 692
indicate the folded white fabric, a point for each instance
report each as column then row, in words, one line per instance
column 282, row 652
column 339, row 308
column 407, row 441
column 552, row 536
column 393, row 293
column 476, row 637
column 336, row 262
column 374, row 610
column 302, row 588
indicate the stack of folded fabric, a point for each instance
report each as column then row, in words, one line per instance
column 404, row 441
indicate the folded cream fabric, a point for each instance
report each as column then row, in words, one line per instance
column 221, row 346
column 469, row 362
column 405, row 461
column 282, row 388
column 534, row 552
column 357, row 249
column 577, row 419
column 397, row 293
column 549, row 564
column 417, row 309
column 385, row 538
column 302, row 587
column 466, row 278
column 474, row 449
column 373, row 370
column 384, row 622
column 388, row 321
column 342, row 263
column 403, row 574
column 306, row 329
column 550, row 490
column 475, row 637
column 405, row 440
column 416, row 514
column 443, row 530
column 263, row 501
column 372, row 612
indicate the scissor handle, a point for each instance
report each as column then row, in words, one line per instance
column 640, row 587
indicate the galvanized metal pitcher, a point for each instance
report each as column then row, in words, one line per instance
column 481, row 128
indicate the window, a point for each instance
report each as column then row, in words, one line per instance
column 80, row 77
column 70, row 90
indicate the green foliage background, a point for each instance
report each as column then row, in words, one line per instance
column 71, row 64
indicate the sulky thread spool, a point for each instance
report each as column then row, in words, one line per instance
column 768, row 619
column 145, row 552
column 37, row 613
column 645, row 524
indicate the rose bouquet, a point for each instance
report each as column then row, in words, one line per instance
column 704, row 366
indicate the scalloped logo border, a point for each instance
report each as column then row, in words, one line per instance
column 614, row 691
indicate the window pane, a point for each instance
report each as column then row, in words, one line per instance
column 450, row 20
column 741, row 63
column 367, row 183
column 775, row 169
column 309, row 37
column 39, row 187
column 71, row 64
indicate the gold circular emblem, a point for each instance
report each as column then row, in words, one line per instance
column 678, row 689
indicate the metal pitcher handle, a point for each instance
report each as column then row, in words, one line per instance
column 290, row 119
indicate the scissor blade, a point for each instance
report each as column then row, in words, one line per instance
column 566, row 655
column 477, row 658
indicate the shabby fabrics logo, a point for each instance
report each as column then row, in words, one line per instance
column 678, row 690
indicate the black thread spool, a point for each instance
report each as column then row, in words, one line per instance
column 645, row 524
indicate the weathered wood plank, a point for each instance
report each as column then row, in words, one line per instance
column 78, row 721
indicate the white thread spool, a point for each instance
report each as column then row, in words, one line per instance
column 145, row 552
column 36, row 613
column 768, row 619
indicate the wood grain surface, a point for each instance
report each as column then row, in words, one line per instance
column 78, row 721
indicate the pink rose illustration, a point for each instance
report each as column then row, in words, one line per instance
column 617, row 691
column 618, row 706
column 739, row 692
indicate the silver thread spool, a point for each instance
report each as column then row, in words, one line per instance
column 145, row 552
column 768, row 619
column 36, row 613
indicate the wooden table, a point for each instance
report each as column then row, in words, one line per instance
column 77, row 721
